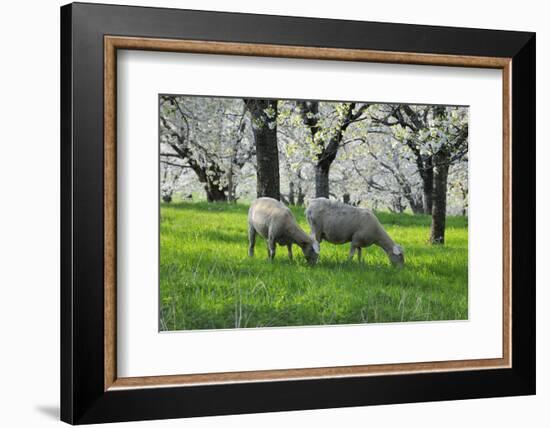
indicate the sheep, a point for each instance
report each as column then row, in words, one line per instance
column 273, row 221
column 338, row 223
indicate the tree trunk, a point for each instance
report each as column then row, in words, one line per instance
column 415, row 203
column 328, row 149
column 439, row 198
column 230, row 189
column 425, row 169
column 396, row 205
column 291, row 199
column 346, row 198
column 211, row 175
column 264, row 128
column 428, row 188
column 301, row 196
column 321, row 180
column 214, row 193
column 417, row 207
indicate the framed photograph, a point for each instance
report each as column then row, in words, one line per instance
column 266, row 213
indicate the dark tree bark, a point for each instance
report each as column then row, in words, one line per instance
column 414, row 202
column 417, row 206
column 411, row 197
column 328, row 149
column 166, row 195
column 238, row 160
column 264, row 128
column 309, row 111
column 346, row 198
column 215, row 194
column 396, row 205
column 301, row 196
column 405, row 116
column 424, row 164
column 427, row 176
column 291, row 199
column 439, row 200
column 230, row 186
column 211, row 175
column 322, row 187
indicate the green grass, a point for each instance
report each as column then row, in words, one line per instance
column 207, row 281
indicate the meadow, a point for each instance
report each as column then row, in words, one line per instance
column 207, row 280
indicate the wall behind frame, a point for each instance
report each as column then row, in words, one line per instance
column 29, row 220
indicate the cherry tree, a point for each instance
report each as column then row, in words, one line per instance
column 327, row 123
column 207, row 135
column 437, row 136
column 263, row 117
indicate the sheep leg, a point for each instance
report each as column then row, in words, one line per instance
column 351, row 252
column 359, row 254
column 271, row 248
column 289, row 246
column 271, row 245
column 251, row 240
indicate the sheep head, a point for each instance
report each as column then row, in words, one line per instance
column 397, row 256
column 311, row 252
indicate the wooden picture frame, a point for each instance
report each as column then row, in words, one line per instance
column 91, row 390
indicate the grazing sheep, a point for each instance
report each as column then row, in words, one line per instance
column 273, row 221
column 338, row 223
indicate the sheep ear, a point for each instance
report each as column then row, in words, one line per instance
column 397, row 250
column 316, row 247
